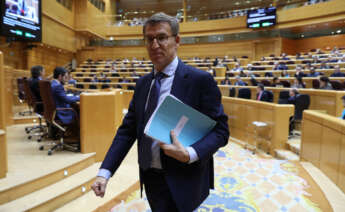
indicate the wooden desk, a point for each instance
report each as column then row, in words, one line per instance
column 328, row 100
column 242, row 113
column 101, row 114
column 323, row 144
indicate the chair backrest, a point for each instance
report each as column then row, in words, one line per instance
column 232, row 92
column 104, row 86
column 93, row 86
column 28, row 94
column 270, row 95
column 302, row 103
column 266, row 82
column 79, row 86
column 337, row 85
column 316, row 83
column 244, row 93
column 20, row 88
column 286, row 84
column 47, row 99
column 283, row 97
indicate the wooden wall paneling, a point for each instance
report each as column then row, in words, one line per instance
column 289, row 46
column 57, row 11
column 323, row 42
column 3, row 102
column 14, row 53
column 81, row 18
column 57, row 35
column 49, row 58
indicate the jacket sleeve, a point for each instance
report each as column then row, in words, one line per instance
column 211, row 106
column 61, row 94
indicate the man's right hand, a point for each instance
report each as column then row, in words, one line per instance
column 99, row 186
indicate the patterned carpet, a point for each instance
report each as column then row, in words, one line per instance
column 249, row 183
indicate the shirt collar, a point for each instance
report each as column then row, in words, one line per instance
column 170, row 69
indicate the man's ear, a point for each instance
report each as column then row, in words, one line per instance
column 177, row 40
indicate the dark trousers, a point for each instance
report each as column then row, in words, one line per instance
column 158, row 192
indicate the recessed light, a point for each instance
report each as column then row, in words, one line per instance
column 237, row 3
column 111, row 38
column 339, row 31
column 332, row 33
column 302, row 36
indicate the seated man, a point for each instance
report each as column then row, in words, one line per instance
column 337, row 72
column 36, row 76
column 313, row 73
column 325, row 83
column 293, row 93
column 239, row 82
column 60, row 97
column 276, row 82
column 261, row 95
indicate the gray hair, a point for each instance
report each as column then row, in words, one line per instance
column 162, row 17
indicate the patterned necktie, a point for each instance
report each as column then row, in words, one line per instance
column 145, row 153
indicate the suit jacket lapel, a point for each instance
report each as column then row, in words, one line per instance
column 178, row 86
column 143, row 97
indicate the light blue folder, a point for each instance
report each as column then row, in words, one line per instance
column 189, row 124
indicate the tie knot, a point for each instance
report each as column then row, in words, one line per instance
column 159, row 76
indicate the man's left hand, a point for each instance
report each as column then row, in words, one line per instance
column 175, row 150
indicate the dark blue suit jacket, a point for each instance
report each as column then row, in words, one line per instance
column 188, row 183
column 63, row 101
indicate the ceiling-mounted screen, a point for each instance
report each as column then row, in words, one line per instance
column 264, row 17
column 21, row 19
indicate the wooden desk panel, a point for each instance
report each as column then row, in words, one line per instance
column 328, row 100
column 325, row 135
column 242, row 113
column 100, row 116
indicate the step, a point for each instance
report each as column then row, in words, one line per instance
column 15, row 186
column 124, row 182
column 55, row 195
column 294, row 145
column 33, row 119
column 284, row 154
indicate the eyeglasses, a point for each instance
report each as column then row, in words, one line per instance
column 161, row 39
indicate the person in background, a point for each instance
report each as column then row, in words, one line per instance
column 337, row 72
column 285, row 74
column 276, row 82
column 239, row 81
column 343, row 113
column 298, row 83
column 299, row 72
column 293, row 93
column 324, row 65
column 70, row 79
column 261, row 95
column 325, row 84
column 226, row 81
column 242, row 74
column 237, row 67
column 60, row 97
column 36, row 76
column 313, row 73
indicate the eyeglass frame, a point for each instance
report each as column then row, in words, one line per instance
column 161, row 39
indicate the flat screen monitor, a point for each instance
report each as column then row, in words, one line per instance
column 21, row 19
column 264, row 17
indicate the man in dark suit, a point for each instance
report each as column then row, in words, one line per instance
column 176, row 178
column 61, row 99
column 36, row 76
column 261, row 94
column 337, row 72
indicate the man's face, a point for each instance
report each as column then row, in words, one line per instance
column 161, row 45
column 63, row 78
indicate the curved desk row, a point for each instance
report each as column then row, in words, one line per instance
column 327, row 100
column 323, row 144
column 244, row 114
